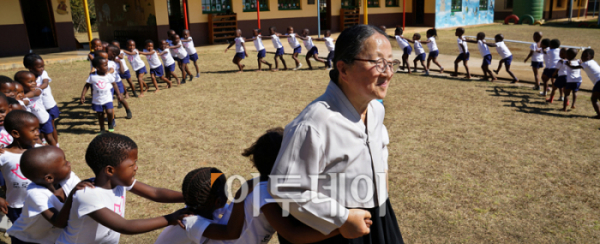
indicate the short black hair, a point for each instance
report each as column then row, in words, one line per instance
column 263, row 151
column 349, row 44
column 5, row 79
column 461, row 30
column 4, row 98
column 273, row 28
column 571, row 53
column 114, row 49
column 11, row 100
column 15, row 119
column 482, row 34
column 399, row 31
column 432, row 32
column 21, row 74
column 198, row 189
column 97, row 61
column 115, row 41
column 589, row 52
column 499, row 37
column 29, row 59
column 417, row 35
column 149, row 41
column 545, row 42
column 108, row 149
column 554, row 43
column 257, row 31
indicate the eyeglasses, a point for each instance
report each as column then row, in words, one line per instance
column 381, row 64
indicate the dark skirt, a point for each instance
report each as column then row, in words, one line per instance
column 383, row 231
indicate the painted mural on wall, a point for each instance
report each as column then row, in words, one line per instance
column 450, row 13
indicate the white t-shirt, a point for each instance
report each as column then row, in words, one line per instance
column 419, row 48
column 502, row 49
column 293, row 41
column 189, row 46
column 258, row 43
column 123, row 62
column 101, row 86
column 5, row 138
column 47, row 97
column 36, row 106
column 562, row 67
column 276, row 41
column 483, row 48
column 16, row 183
column 166, row 57
column 153, row 60
column 308, row 43
column 115, row 66
column 194, row 228
column 401, row 42
column 537, row 56
column 31, row 225
column 551, row 58
column 239, row 48
column 329, row 44
column 179, row 52
column 432, row 46
column 462, row 43
column 82, row 228
column 592, row 69
column 135, row 60
column 573, row 75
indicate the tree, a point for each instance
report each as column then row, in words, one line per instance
column 78, row 14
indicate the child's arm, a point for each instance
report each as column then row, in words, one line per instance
column 491, row 44
column 528, row 56
column 426, row 41
column 90, row 57
column 249, row 39
column 186, row 40
column 147, row 53
column 128, row 52
column 60, row 219
column 36, row 92
column 408, row 40
column 574, row 67
column 85, row 88
column 233, row 228
column 302, row 38
column 266, row 37
column 116, row 89
column 462, row 46
column 230, row 44
column 45, row 83
column 245, row 50
column 156, row 194
column 292, row 229
column 121, row 69
column 3, row 205
column 115, row 222
column 471, row 41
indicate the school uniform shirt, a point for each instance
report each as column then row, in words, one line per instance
column 135, row 60
column 115, row 66
column 36, row 106
column 123, row 62
column 47, row 97
column 484, row 49
column 402, row 42
column 419, row 48
column 82, row 228
column 592, row 69
column 16, row 183
column 502, row 49
column 462, row 44
column 258, row 43
column 179, row 52
column 195, row 226
column 329, row 44
column 153, row 60
column 239, row 48
column 432, row 46
column 308, row 43
column 189, row 46
column 562, row 67
column 5, row 138
column 329, row 137
column 31, row 225
column 101, row 85
column 551, row 58
column 537, row 56
column 573, row 75
column 276, row 41
column 293, row 41
column 25, row 106
column 165, row 55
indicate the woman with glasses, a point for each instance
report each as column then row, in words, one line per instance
column 331, row 172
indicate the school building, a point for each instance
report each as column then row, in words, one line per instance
column 552, row 9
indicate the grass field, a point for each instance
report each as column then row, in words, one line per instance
column 469, row 161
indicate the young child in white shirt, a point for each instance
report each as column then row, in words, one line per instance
column 311, row 50
column 573, row 78
column 188, row 44
column 5, row 138
column 551, row 55
column 168, row 61
column 505, row 55
column 433, row 49
column 419, row 51
column 115, row 63
column 561, row 76
column 330, row 44
column 295, row 45
column 124, row 73
column 484, row 50
column 406, row 48
column 240, row 50
column 181, row 56
column 592, row 69
column 97, row 214
column 49, row 196
column 274, row 36
column 7, row 87
column 464, row 54
column 102, row 98
column 537, row 59
column 34, row 101
column 133, row 55
column 156, row 67
column 260, row 48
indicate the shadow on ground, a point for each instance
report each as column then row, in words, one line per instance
column 523, row 102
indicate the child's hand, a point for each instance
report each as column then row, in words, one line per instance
column 81, row 185
column 226, row 50
column 176, row 218
column 245, row 53
column 82, row 99
column 120, row 97
column 357, row 225
column 3, row 205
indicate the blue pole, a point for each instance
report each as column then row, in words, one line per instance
column 319, row 18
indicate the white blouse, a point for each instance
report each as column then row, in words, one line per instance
column 330, row 141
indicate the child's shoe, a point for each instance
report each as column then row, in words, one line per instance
column 549, row 100
column 543, row 93
column 129, row 115
column 536, row 87
column 114, row 124
column 191, row 77
column 561, row 99
column 198, row 75
column 120, row 105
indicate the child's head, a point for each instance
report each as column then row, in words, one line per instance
column 563, row 53
column 571, row 53
column 263, row 151
column 96, row 44
column 431, row 32
column 481, row 36
column 34, row 63
column 113, row 51
column 459, row 31
column 499, row 38
column 19, row 91
column 537, row 36
column 4, row 108
column 238, row 33
column 383, row 28
column 116, row 43
column 203, row 190
column 7, row 86
column 102, row 54
column 101, row 65
column 164, row 44
column 256, row 32
column 45, row 165
column 272, row 30
column 23, row 126
column 305, row 32
column 398, row 31
column 185, row 34
column 545, row 43
column 290, row 30
column 13, row 104
column 170, row 34
column 587, row 54
column 327, row 33
column 115, row 156
column 554, row 43
column 417, row 36
column 130, row 45
column 176, row 39
column 149, row 45
column 104, row 45
column 27, row 79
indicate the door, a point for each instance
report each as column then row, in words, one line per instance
column 176, row 15
column 39, row 22
column 325, row 10
column 419, row 12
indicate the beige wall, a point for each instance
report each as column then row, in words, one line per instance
column 161, row 12
column 10, row 13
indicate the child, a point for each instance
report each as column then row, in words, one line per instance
column 551, row 55
column 180, row 55
column 188, row 44
column 35, row 64
column 592, row 69
column 96, row 45
column 485, row 54
column 156, row 68
column 5, row 137
column 537, row 59
column 49, row 195
column 419, row 51
column 125, row 73
column 24, row 128
column 313, row 51
column 7, row 87
column 133, row 55
column 573, row 78
column 36, row 106
column 20, row 93
column 240, row 50
column 505, row 54
column 293, row 41
column 168, row 60
column 97, row 213
column 274, row 36
column 406, row 48
column 113, row 60
column 170, row 35
column 260, row 48
column 464, row 52
column 561, row 76
column 102, row 82
column 330, row 44
column 433, row 49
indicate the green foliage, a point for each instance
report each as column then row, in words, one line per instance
column 78, row 14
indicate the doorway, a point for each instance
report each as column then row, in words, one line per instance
column 419, row 12
column 325, row 10
column 39, row 23
column 176, row 14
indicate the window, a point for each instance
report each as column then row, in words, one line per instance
column 509, row 4
column 350, row 3
column 391, row 3
column 216, row 6
column 288, row 4
column 456, row 6
column 250, row 5
column 373, row 3
column 483, row 4
column 311, row 2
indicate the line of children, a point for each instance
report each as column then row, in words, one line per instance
column 240, row 50
column 561, row 76
column 484, row 50
column 506, row 56
column 537, row 59
column 419, row 51
column 551, row 55
column 260, row 48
